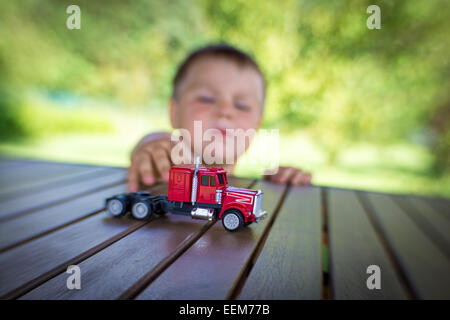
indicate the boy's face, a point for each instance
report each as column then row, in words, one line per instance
column 222, row 95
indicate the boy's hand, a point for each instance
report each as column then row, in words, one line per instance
column 295, row 176
column 150, row 161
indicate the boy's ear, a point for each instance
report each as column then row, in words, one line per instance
column 172, row 113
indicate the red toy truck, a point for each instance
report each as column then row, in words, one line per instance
column 199, row 192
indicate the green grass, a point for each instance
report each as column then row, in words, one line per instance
column 401, row 168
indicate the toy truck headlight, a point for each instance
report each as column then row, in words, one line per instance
column 219, row 196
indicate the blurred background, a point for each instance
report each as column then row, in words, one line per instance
column 359, row 108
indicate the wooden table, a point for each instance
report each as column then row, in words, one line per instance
column 316, row 243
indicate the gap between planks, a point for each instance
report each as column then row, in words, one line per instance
column 239, row 282
column 327, row 283
column 150, row 276
column 423, row 224
column 140, row 285
column 154, row 188
column 367, row 206
column 34, row 283
column 51, row 230
column 60, row 201
column 59, row 180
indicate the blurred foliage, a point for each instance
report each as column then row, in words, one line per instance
column 327, row 73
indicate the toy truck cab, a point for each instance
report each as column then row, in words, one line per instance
column 204, row 187
column 205, row 192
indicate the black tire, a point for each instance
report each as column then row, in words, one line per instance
column 232, row 220
column 141, row 209
column 116, row 207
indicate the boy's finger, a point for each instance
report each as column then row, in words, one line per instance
column 145, row 169
column 167, row 145
column 271, row 177
column 162, row 163
column 277, row 177
column 286, row 175
column 297, row 178
column 132, row 179
column 306, row 179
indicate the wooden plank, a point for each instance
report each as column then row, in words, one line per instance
column 17, row 177
column 425, row 266
column 28, row 161
column 26, row 168
column 127, row 260
column 111, row 271
column 208, row 268
column 442, row 206
column 435, row 225
column 289, row 265
column 15, row 231
column 354, row 245
column 38, row 200
column 50, row 180
column 25, row 266
column 10, row 163
column 25, row 263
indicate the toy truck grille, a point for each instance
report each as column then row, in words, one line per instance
column 257, row 206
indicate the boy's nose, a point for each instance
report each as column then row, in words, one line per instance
column 226, row 109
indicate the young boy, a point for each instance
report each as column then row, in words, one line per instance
column 223, row 88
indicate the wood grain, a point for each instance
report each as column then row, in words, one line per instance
column 425, row 266
column 50, row 181
column 433, row 224
column 6, row 162
column 207, row 270
column 32, row 225
column 289, row 265
column 442, row 206
column 44, row 198
column 14, row 178
column 110, row 272
column 127, row 260
column 354, row 246
column 22, row 264
column 49, row 216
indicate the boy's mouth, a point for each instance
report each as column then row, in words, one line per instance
column 222, row 131
column 225, row 132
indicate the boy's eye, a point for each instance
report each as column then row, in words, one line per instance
column 242, row 106
column 205, row 99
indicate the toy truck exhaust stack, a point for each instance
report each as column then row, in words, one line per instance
column 199, row 192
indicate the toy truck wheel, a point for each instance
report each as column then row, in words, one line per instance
column 141, row 210
column 116, row 207
column 233, row 220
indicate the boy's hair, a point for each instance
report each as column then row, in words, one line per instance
column 215, row 50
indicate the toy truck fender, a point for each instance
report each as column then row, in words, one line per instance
column 246, row 214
